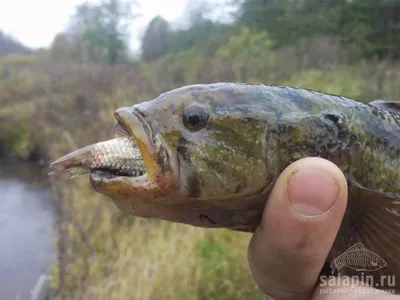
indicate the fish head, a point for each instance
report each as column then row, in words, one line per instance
column 203, row 149
column 378, row 262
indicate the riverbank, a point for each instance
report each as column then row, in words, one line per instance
column 102, row 253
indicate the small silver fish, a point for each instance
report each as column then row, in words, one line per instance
column 358, row 258
column 119, row 156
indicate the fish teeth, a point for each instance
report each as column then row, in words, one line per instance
column 137, row 173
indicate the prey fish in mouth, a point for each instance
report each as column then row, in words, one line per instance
column 119, row 156
column 210, row 155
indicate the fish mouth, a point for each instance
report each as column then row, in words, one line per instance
column 133, row 123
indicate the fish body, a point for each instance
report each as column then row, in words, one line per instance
column 119, row 155
column 213, row 152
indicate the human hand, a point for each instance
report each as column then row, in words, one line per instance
column 300, row 223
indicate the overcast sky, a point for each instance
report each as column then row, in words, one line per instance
column 36, row 22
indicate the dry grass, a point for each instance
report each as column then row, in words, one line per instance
column 49, row 109
column 106, row 255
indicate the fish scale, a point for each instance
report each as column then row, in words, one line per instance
column 120, row 155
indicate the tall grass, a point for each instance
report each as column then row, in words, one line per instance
column 48, row 109
column 114, row 256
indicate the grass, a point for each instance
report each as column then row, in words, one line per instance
column 115, row 256
column 49, row 109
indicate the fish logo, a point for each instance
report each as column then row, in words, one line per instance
column 358, row 258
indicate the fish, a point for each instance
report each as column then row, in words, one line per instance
column 359, row 258
column 212, row 153
column 120, row 156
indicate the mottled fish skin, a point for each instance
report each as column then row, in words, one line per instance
column 361, row 139
column 221, row 175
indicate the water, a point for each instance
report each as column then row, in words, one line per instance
column 27, row 221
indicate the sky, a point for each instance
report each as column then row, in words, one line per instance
column 35, row 22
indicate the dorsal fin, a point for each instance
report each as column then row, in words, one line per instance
column 388, row 105
column 358, row 246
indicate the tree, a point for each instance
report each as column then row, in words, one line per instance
column 101, row 30
column 372, row 27
column 60, row 48
column 9, row 44
column 195, row 12
column 156, row 40
column 116, row 17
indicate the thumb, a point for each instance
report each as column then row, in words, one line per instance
column 299, row 225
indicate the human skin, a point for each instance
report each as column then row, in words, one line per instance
column 299, row 225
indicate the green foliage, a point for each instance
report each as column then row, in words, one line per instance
column 246, row 44
column 98, row 32
column 197, row 35
column 217, row 259
column 373, row 26
column 18, row 59
column 339, row 82
column 267, row 15
column 16, row 140
column 367, row 28
column 370, row 27
column 212, row 254
column 249, row 53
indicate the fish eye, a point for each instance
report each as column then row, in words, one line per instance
column 195, row 117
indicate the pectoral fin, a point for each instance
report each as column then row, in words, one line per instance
column 372, row 219
column 358, row 246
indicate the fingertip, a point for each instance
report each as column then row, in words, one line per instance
column 322, row 165
column 314, row 186
column 299, row 225
column 310, row 188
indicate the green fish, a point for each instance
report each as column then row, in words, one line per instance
column 213, row 152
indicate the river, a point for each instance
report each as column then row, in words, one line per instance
column 27, row 225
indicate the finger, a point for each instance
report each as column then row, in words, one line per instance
column 299, row 225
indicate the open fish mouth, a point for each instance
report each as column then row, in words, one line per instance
column 132, row 124
column 123, row 166
column 132, row 154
